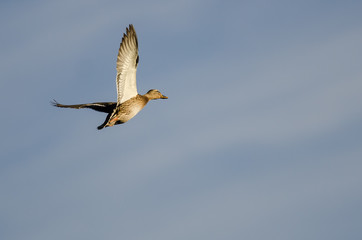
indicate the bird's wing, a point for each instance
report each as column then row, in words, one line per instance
column 106, row 107
column 127, row 61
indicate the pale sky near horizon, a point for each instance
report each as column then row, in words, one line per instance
column 260, row 138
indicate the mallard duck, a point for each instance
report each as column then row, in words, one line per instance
column 129, row 102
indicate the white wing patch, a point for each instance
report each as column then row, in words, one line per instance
column 127, row 61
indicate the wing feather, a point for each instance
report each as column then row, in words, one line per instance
column 127, row 61
column 106, row 107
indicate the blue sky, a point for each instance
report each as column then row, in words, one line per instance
column 260, row 138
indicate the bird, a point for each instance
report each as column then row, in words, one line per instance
column 129, row 102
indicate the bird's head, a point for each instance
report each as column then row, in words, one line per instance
column 155, row 94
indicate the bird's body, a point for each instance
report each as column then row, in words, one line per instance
column 129, row 102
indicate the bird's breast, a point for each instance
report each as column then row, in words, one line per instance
column 130, row 108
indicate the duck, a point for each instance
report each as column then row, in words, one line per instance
column 129, row 102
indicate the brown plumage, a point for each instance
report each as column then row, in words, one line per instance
column 129, row 102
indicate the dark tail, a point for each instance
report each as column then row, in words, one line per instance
column 100, row 127
column 105, row 122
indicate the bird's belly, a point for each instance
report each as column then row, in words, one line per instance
column 130, row 113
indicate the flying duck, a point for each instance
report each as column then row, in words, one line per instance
column 129, row 102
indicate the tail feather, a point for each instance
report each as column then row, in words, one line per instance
column 104, row 124
column 100, row 127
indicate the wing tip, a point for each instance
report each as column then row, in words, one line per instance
column 54, row 103
column 130, row 36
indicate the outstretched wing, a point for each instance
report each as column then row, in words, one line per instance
column 106, row 107
column 127, row 61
